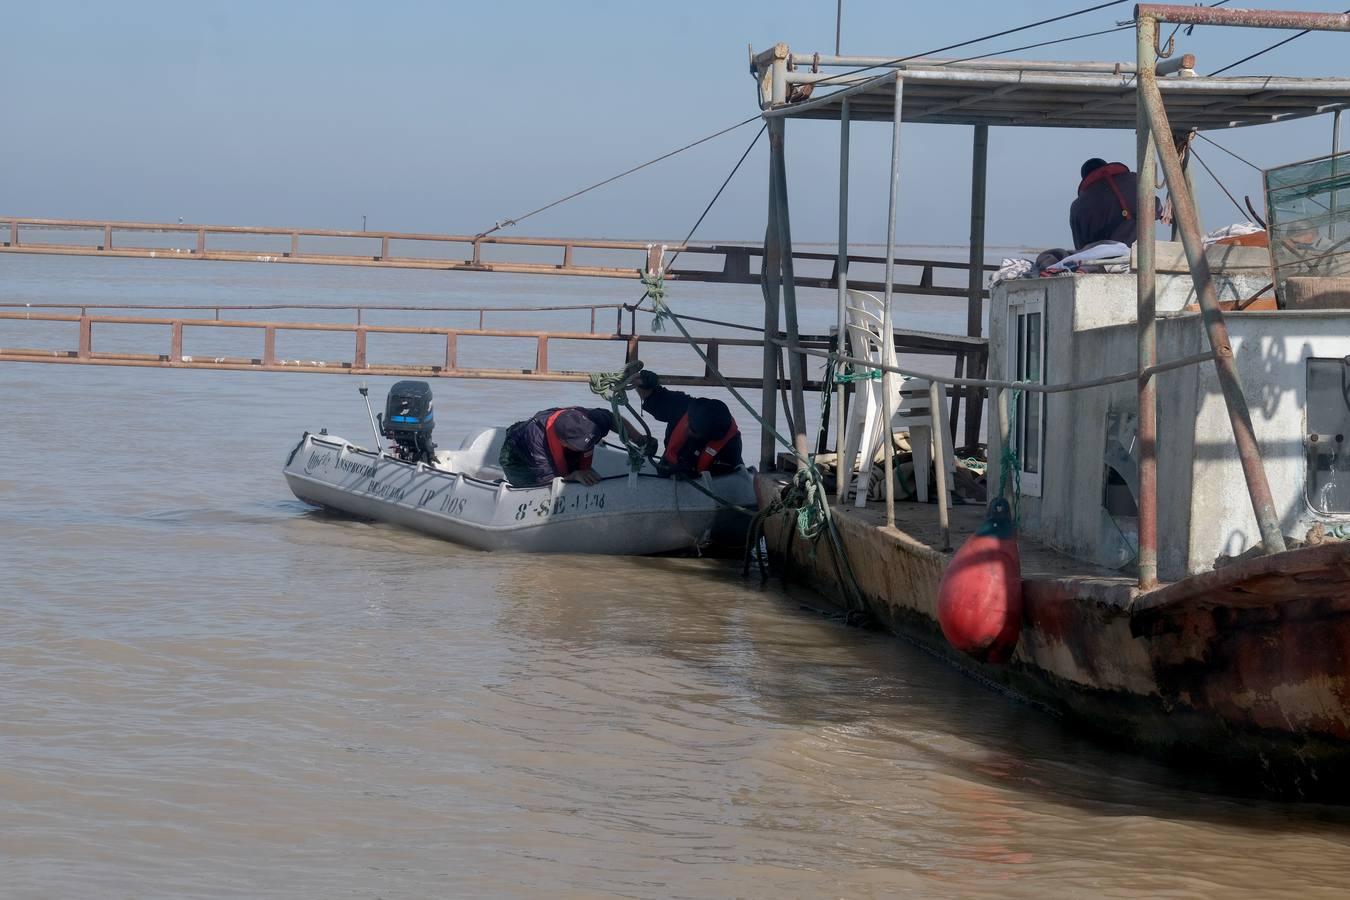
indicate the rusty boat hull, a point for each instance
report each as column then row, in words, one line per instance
column 1242, row 672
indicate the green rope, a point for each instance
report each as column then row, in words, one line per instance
column 613, row 386
column 655, row 285
column 850, row 377
column 810, row 506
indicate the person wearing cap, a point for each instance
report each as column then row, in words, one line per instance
column 556, row 443
column 1104, row 209
column 701, row 434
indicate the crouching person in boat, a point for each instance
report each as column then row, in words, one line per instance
column 556, row 443
column 701, row 434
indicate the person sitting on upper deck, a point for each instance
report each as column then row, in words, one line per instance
column 1105, row 207
column 557, row 443
column 701, row 434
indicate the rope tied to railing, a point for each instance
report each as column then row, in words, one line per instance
column 850, row 377
column 654, row 283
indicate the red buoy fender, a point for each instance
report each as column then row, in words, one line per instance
column 980, row 597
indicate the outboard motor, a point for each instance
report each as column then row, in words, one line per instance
column 408, row 421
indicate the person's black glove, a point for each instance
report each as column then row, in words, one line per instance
column 648, row 380
column 649, row 446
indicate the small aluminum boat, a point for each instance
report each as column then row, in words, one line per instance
column 461, row 497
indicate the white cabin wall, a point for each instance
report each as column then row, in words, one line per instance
column 1271, row 349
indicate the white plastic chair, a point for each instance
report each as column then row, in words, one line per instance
column 912, row 408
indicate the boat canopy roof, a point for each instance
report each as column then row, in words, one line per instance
column 1032, row 93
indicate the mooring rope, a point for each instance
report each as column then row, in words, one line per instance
column 804, row 496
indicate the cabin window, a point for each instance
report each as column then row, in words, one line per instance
column 1026, row 362
column 1325, row 443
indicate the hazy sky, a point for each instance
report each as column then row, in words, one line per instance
column 448, row 116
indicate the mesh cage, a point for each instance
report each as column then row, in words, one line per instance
column 1308, row 214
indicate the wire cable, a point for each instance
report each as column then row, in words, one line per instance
column 726, row 181
column 505, row 223
column 1201, row 135
column 1063, row 40
column 707, row 209
column 1196, row 156
column 1190, row 29
column 703, row 140
column 901, row 59
column 1252, row 56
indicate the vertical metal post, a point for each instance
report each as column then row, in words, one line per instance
column 841, row 267
column 360, row 361
column 999, row 404
column 937, row 409
column 1239, row 416
column 979, row 172
column 887, row 323
column 769, row 275
column 1146, row 319
column 1335, row 166
column 796, row 361
column 541, row 354
column 451, row 351
column 778, row 74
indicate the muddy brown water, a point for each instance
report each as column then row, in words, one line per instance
column 211, row 690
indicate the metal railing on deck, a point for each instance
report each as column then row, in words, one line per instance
column 998, row 397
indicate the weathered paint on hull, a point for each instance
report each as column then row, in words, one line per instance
column 1244, row 671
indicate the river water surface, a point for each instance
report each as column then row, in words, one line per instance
column 211, row 690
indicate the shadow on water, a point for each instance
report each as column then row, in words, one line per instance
column 772, row 646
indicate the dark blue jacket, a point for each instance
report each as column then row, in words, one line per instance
column 526, row 445
column 669, row 406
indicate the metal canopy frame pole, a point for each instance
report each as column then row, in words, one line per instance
column 1335, row 167
column 1183, row 209
column 888, row 323
column 979, row 174
column 796, row 361
column 841, row 279
column 769, row 277
column 1146, row 318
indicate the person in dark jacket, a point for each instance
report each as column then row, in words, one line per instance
column 1105, row 207
column 556, row 442
column 701, row 434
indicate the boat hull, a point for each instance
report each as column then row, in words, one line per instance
column 1242, row 673
column 622, row 515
